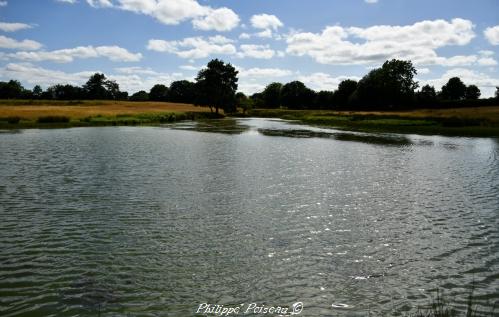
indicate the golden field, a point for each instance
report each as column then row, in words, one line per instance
column 32, row 110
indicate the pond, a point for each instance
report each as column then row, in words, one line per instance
column 156, row 221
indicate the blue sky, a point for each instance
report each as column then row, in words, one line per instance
column 140, row 43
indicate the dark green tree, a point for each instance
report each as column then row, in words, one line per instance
column 391, row 86
column 427, row 96
column 272, row 95
column 472, row 92
column 345, row 89
column 455, row 89
column 497, row 92
column 295, row 95
column 216, row 86
column 95, row 87
column 11, row 90
column 140, row 96
column 182, row 91
column 65, row 92
column 37, row 92
column 325, row 100
column 243, row 102
column 158, row 93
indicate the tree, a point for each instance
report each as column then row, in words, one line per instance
column 216, row 86
column 158, row 93
column 391, row 86
column 455, row 89
column 472, row 92
column 99, row 87
column 427, row 96
column 345, row 89
column 11, row 90
column 243, row 102
column 140, row 96
column 37, row 92
column 497, row 92
column 182, row 91
column 295, row 95
column 65, row 92
column 324, row 99
column 272, row 95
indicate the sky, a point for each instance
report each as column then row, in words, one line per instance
column 140, row 43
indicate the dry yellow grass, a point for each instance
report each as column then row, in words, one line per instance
column 489, row 113
column 29, row 111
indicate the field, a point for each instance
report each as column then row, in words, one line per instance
column 39, row 113
column 473, row 121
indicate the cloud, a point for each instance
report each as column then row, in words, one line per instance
column 266, row 22
column 3, row 3
column 67, row 1
column 220, row 20
column 255, row 79
column 113, row 53
column 485, row 82
column 256, row 51
column 371, row 1
column 100, row 3
column 322, row 81
column 13, row 27
column 194, row 47
column 10, row 43
column 253, row 73
column 172, row 12
column 129, row 79
column 418, row 42
column 31, row 74
column 492, row 35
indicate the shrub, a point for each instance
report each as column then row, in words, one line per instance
column 53, row 119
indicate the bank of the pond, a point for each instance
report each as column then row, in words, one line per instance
column 472, row 122
column 25, row 114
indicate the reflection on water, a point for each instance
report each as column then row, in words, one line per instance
column 153, row 221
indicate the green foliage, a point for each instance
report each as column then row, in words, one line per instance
column 140, row 96
column 158, row 93
column 11, row 90
column 53, row 119
column 216, row 86
column 295, row 95
column 99, row 87
column 472, row 92
column 182, row 91
column 345, row 90
column 427, row 96
column 325, row 99
column 271, row 95
column 455, row 89
column 391, row 86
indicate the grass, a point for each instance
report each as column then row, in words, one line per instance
column 477, row 121
column 48, row 114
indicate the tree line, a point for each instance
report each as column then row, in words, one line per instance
column 390, row 87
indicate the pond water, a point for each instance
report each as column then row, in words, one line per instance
column 154, row 221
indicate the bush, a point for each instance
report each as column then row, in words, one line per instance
column 13, row 120
column 53, row 119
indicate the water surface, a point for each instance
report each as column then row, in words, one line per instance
column 154, row 221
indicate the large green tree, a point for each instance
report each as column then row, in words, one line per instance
column 99, row 87
column 158, row 93
column 216, row 86
column 272, row 95
column 391, row 86
column 454, row 89
column 472, row 92
column 295, row 95
column 182, row 91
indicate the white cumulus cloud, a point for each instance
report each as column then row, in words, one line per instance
column 323, row 81
column 256, row 51
column 194, row 47
column 13, row 27
column 492, row 35
column 417, row 42
column 113, row 53
column 10, row 43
